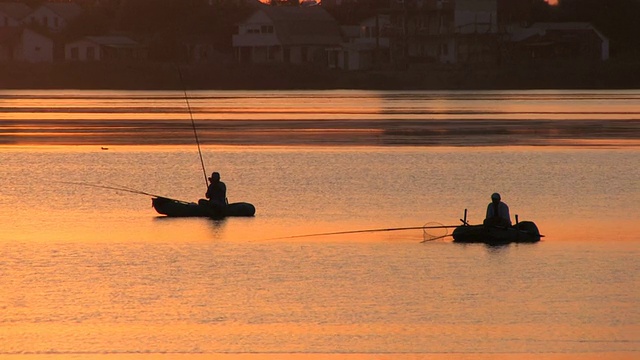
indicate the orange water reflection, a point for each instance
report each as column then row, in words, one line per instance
column 340, row 117
column 285, row 356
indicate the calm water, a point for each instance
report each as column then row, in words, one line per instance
column 95, row 273
column 322, row 117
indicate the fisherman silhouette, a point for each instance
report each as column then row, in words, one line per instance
column 497, row 212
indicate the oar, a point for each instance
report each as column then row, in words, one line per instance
column 367, row 230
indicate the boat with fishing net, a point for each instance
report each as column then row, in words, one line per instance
column 521, row 232
column 178, row 208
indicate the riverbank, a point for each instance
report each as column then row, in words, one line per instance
column 613, row 74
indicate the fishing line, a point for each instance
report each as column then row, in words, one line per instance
column 427, row 226
column 193, row 124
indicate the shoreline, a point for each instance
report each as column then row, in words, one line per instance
column 613, row 74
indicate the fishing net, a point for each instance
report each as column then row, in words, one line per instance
column 433, row 231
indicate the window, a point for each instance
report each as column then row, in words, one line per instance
column 266, row 29
column 91, row 53
column 204, row 53
column 271, row 53
column 74, row 53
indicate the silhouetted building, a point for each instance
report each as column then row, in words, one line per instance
column 365, row 45
column 286, row 34
column 103, row 48
column 20, row 44
column 476, row 31
column 443, row 31
column 54, row 16
column 513, row 12
column 562, row 40
column 13, row 13
column 422, row 31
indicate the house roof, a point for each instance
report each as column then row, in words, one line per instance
column 66, row 11
column 15, row 10
column 296, row 25
column 562, row 26
column 542, row 27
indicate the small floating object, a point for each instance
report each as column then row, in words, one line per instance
column 104, row 148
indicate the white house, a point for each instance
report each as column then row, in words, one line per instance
column 97, row 48
column 12, row 13
column 286, row 34
column 22, row 44
column 54, row 16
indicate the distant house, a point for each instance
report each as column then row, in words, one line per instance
column 54, row 16
column 476, row 16
column 100, row 48
column 200, row 48
column 476, row 28
column 286, row 34
column 24, row 45
column 568, row 40
column 422, row 31
column 12, row 13
column 366, row 45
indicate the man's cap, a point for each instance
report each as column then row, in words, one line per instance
column 495, row 196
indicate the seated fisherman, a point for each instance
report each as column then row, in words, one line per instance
column 217, row 193
column 497, row 212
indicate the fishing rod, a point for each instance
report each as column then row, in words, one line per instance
column 193, row 124
column 117, row 188
column 370, row 230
